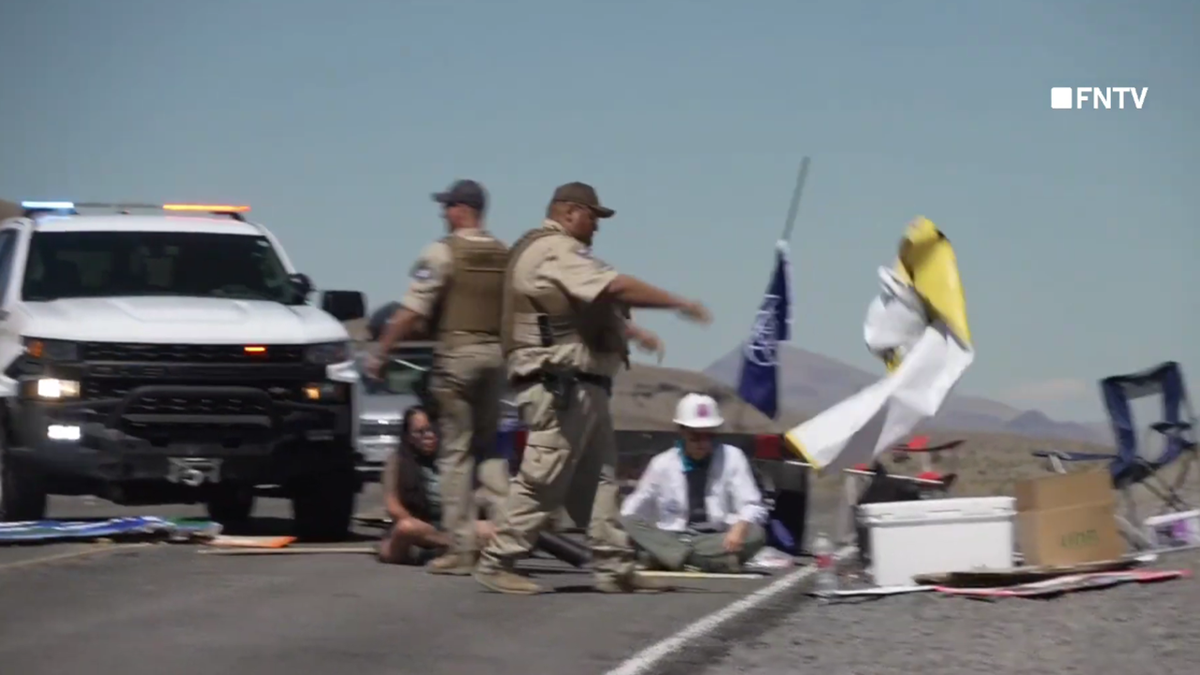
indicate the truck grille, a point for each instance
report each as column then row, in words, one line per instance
column 175, row 353
column 169, row 405
column 97, row 389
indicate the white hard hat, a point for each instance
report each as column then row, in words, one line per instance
column 698, row 411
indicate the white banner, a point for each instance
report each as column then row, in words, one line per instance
column 931, row 358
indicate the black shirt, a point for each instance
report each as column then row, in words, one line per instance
column 697, row 479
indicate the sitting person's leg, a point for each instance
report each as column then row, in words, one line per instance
column 756, row 540
column 709, row 552
column 411, row 542
column 667, row 549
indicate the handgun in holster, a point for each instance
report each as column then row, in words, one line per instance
column 559, row 382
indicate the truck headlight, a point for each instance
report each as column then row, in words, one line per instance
column 329, row 392
column 55, row 389
column 327, row 353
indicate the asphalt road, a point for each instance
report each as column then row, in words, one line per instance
column 133, row 609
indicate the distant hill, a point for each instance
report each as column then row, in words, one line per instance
column 811, row 383
column 645, row 396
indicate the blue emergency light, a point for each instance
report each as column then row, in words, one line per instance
column 234, row 211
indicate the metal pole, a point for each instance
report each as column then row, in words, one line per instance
column 795, row 206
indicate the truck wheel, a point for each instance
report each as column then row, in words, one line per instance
column 231, row 504
column 323, row 505
column 22, row 494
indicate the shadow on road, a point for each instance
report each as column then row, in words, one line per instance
column 274, row 526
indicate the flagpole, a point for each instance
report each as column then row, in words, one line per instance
column 795, row 206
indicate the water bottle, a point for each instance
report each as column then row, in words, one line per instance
column 827, row 580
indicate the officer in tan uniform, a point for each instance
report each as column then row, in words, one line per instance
column 566, row 332
column 455, row 293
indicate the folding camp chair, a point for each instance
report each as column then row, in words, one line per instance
column 1128, row 466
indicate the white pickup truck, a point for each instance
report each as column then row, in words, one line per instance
column 154, row 354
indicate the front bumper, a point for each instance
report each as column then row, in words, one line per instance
column 175, row 431
column 373, row 452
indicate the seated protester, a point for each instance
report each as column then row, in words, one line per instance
column 697, row 505
column 412, row 496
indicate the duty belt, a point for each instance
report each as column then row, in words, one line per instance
column 545, row 376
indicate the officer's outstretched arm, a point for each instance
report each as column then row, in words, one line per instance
column 637, row 293
column 403, row 325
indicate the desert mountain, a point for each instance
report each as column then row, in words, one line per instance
column 810, row 383
column 645, row 397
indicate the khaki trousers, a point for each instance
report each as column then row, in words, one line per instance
column 467, row 384
column 706, row 552
column 570, row 460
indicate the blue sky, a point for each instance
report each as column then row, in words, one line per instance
column 1076, row 231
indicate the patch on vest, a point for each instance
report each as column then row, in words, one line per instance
column 586, row 252
column 421, row 271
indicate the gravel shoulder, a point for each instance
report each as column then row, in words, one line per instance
column 1144, row 629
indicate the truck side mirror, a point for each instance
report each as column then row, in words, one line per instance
column 344, row 305
column 302, row 284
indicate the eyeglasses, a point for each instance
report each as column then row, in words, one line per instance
column 422, row 431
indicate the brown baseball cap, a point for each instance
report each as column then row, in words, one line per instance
column 584, row 195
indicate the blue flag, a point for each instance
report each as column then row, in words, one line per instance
column 758, row 383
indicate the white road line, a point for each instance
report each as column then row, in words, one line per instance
column 652, row 656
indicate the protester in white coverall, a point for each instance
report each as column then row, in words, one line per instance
column 697, row 505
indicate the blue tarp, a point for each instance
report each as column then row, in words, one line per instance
column 134, row 527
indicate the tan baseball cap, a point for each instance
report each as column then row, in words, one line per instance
column 584, row 195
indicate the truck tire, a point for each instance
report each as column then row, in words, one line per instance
column 22, row 493
column 231, row 504
column 323, row 505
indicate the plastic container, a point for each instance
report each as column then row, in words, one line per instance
column 938, row 535
column 827, row 580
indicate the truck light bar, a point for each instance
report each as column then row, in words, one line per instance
column 208, row 208
column 48, row 206
column 36, row 206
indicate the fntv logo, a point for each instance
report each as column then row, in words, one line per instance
column 1075, row 98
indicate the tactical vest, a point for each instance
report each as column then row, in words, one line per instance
column 548, row 317
column 471, row 303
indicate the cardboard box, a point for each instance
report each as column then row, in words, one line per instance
column 1067, row 519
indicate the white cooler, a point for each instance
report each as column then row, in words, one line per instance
column 930, row 536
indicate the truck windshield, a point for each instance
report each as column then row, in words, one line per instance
column 196, row 264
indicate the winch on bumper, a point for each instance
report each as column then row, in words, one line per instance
column 164, row 431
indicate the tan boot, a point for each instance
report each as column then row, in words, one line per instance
column 453, row 564
column 507, row 581
column 631, row 583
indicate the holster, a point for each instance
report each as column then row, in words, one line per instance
column 560, row 383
